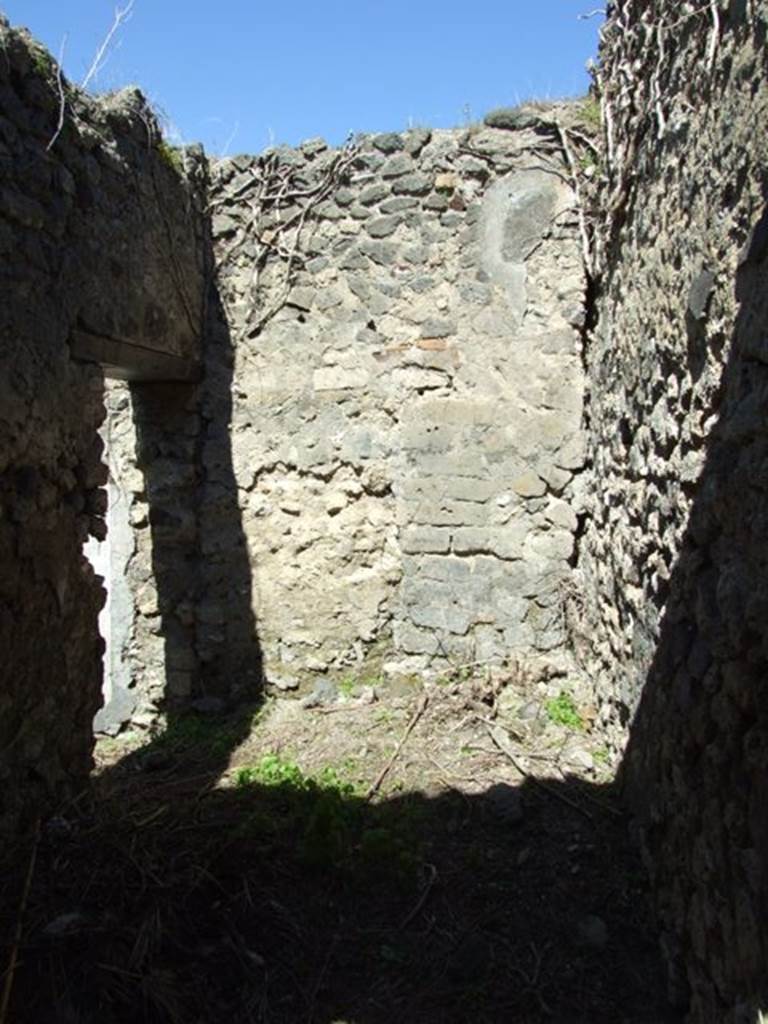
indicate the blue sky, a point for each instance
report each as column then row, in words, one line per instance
column 239, row 75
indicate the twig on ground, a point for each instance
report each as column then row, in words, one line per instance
column 531, row 978
column 19, row 930
column 598, row 803
column 448, row 775
column 462, row 722
column 321, row 978
column 422, row 898
column 500, row 738
column 247, row 893
column 509, row 731
column 150, row 817
column 338, row 707
column 374, row 787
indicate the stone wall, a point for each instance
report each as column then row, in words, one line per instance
column 404, row 317
column 379, row 467
column 378, row 457
column 99, row 251
column 673, row 559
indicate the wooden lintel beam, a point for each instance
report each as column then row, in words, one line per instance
column 127, row 361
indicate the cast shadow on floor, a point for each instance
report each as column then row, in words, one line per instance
column 172, row 895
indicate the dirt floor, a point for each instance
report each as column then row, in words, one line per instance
column 443, row 852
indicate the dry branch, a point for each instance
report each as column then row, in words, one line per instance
column 276, row 189
column 122, row 14
column 585, row 246
column 500, row 738
column 13, row 959
column 422, row 897
column 374, row 787
column 715, row 37
column 61, row 95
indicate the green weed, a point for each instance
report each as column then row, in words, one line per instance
column 330, row 779
column 588, row 160
column 272, row 770
column 171, row 156
column 203, row 735
column 346, row 686
column 330, row 819
column 590, row 113
column 42, row 62
column 562, row 711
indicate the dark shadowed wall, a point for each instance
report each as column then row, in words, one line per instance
column 101, row 264
column 673, row 564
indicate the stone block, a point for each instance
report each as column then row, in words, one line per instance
column 426, row 437
column 339, row 378
column 463, row 463
column 490, row 648
column 358, row 212
column 512, row 118
column 572, row 454
column 328, row 210
column 556, row 479
column 509, row 605
column 344, row 196
column 465, row 488
column 456, row 411
column 550, row 545
column 441, row 617
column 528, row 485
column 373, row 194
column 389, row 142
column 561, row 514
column 411, row 639
column 435, row 327
column 383, row 253
column 416, row 184
column 437, row 202
column 382, row 227
column 416, row 139
column 517, row 636
column 471, row 540
column 396, row 166
column 446, row 513
column 454, row 571
column 425, row 540
column 398, row 204
column 507, row 542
